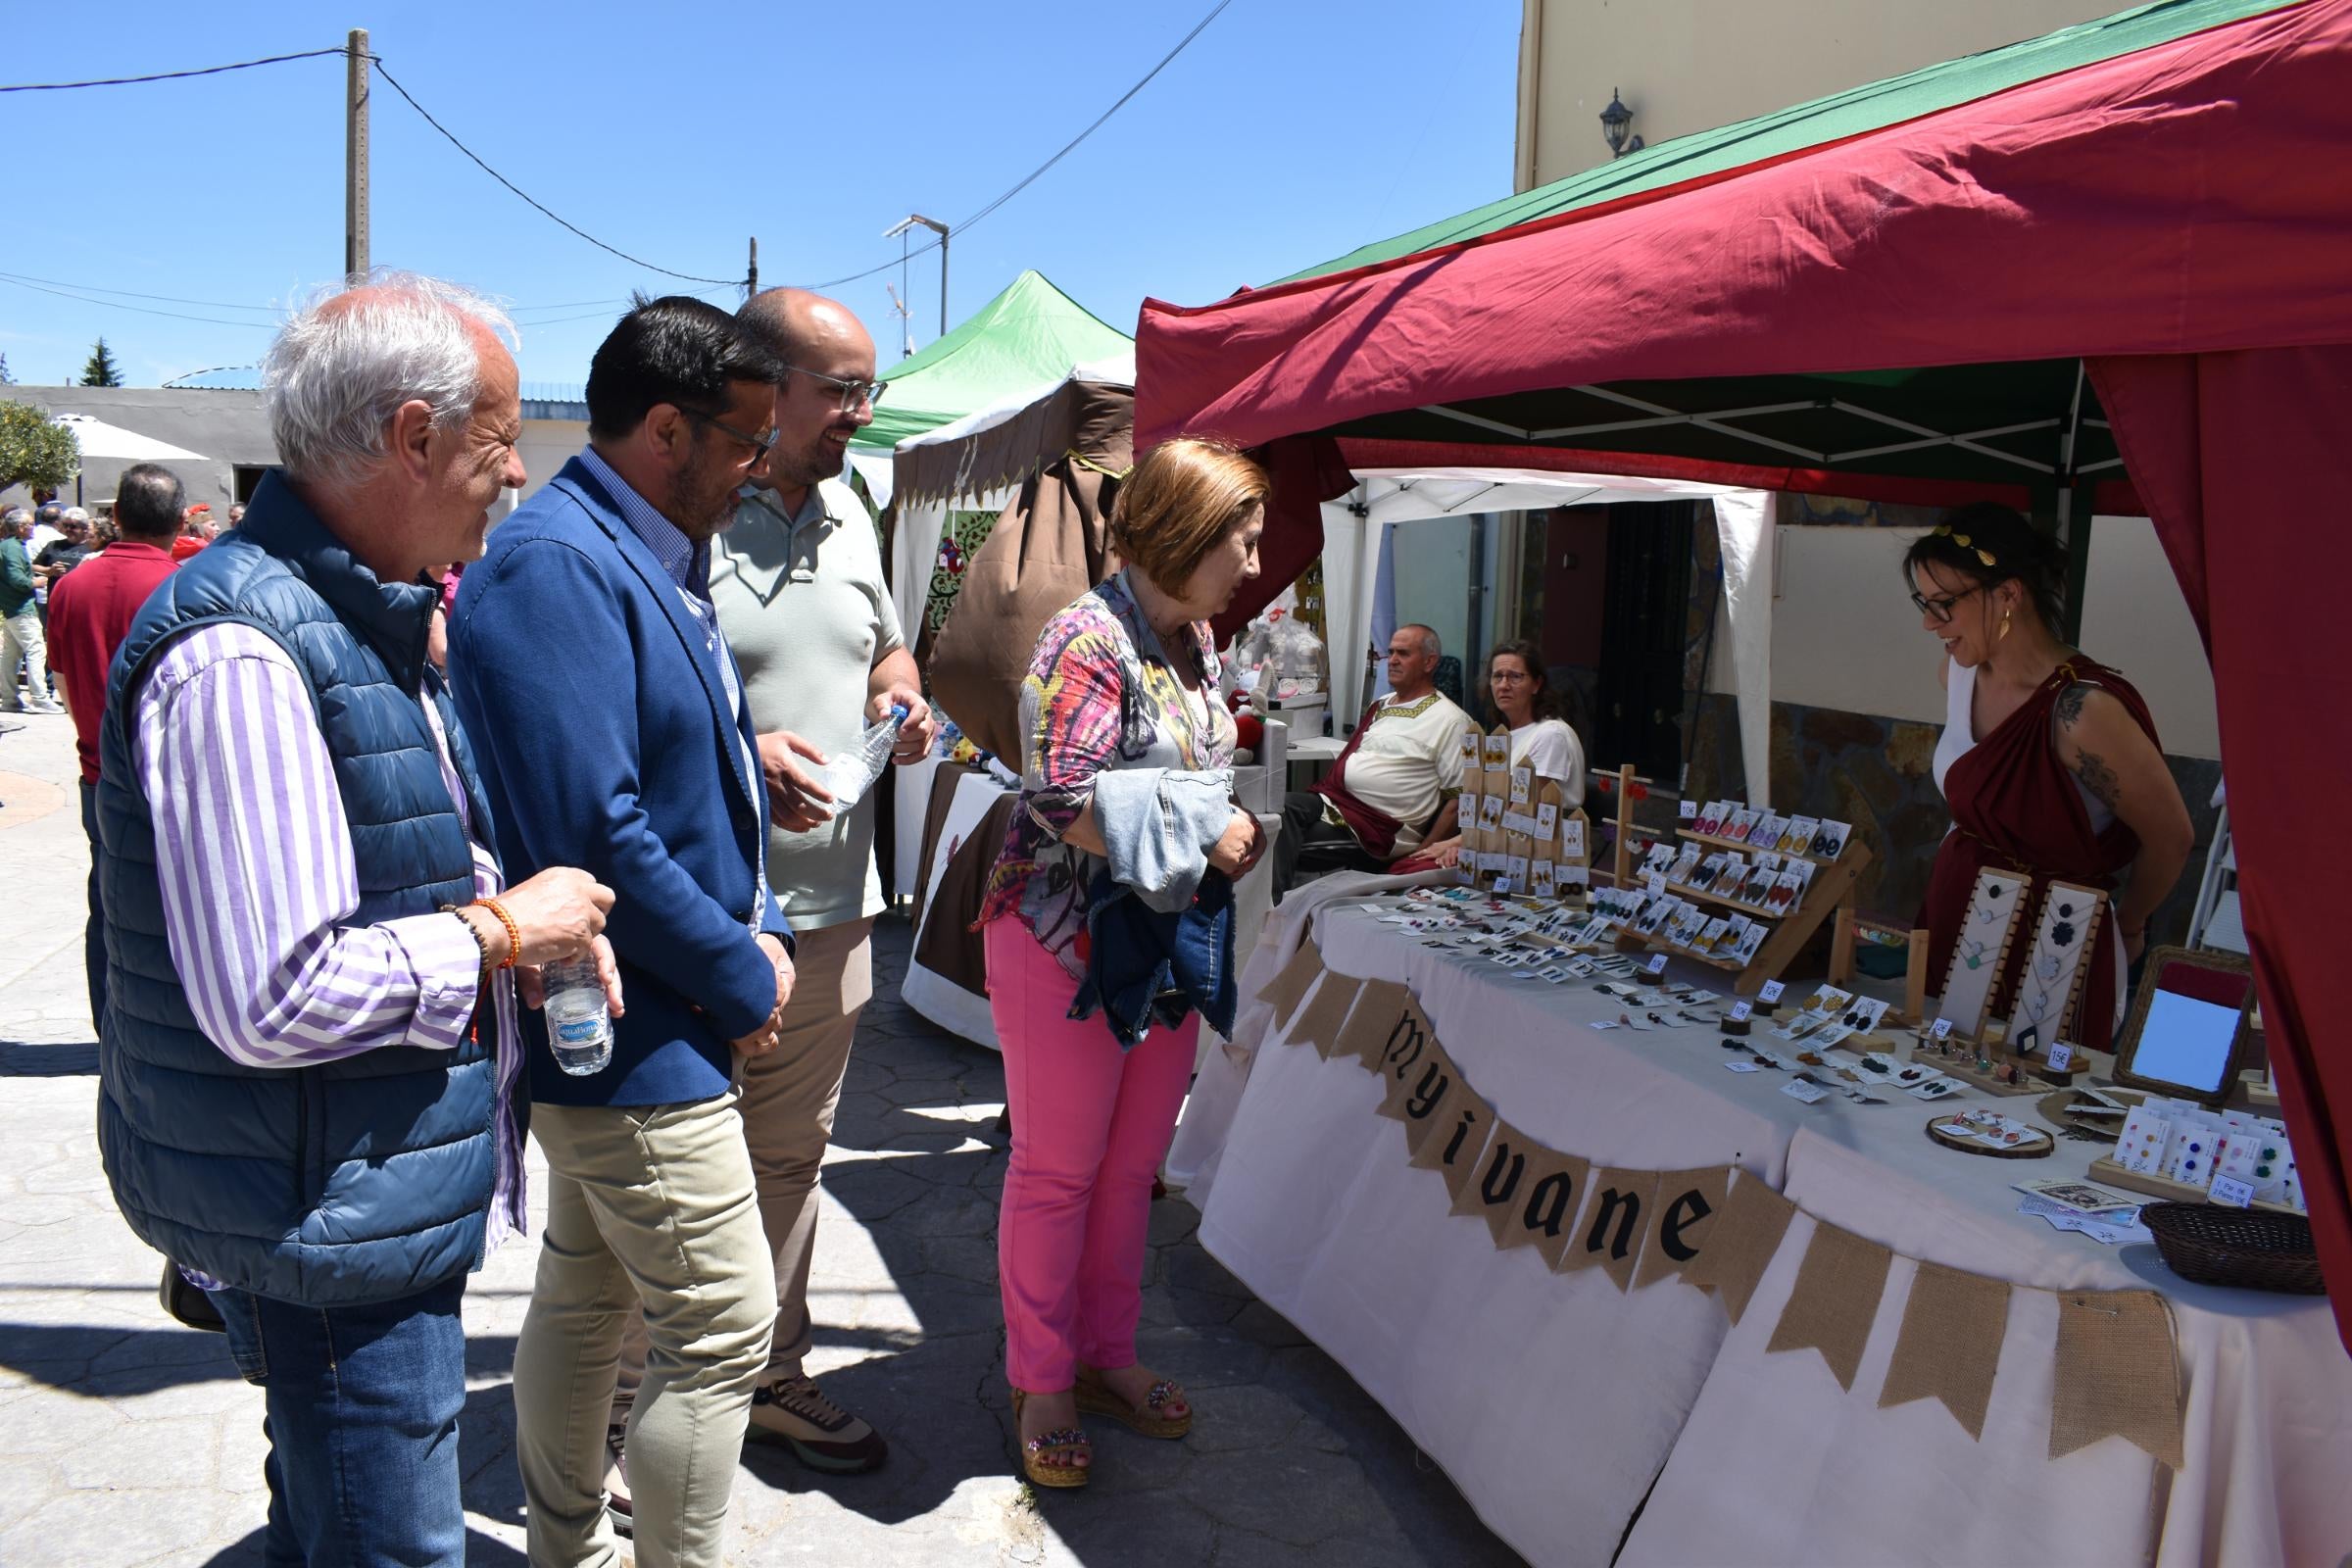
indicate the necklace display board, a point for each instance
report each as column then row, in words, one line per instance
column 1995, row 907
column 2050, row 990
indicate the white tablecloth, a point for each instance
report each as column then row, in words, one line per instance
column 1778, row 1465
column 1553, row 1400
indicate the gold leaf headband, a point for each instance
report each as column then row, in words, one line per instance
column 1944, row 531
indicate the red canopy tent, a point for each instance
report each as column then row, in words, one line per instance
column 2127, row 279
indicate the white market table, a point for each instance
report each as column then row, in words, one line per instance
column 1553, row 1400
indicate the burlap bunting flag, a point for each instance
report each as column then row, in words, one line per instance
column 1741, row 1242
column 1688, row 1203
column 1610, row 1230
column 1836, row 1295
column 2118, row 1374
column 1284, row 991
column 1411, row 1048
column 1548, row 1202
column 1318, row 1023
column 1450, row 1140
column 1950, row 1343
column 1365, row 1035
column 1493, row 1191
column 1429, row 1104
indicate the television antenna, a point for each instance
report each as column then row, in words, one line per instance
column 898, row 308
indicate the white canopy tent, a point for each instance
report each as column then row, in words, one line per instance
column 1386, row 497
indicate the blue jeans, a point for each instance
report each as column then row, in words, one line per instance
column 362, row 1426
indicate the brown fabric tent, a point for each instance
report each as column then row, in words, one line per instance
column 1047, row 548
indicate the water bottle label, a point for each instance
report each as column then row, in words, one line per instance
column 580, row 1031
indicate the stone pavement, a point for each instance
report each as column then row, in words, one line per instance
column 128, row 1441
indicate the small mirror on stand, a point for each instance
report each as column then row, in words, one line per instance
column 2187, row 1036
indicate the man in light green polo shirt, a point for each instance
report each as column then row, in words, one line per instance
column 798, row 584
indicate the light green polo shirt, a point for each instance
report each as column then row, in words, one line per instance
column 804, row 607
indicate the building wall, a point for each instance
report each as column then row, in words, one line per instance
column 1691, row 65
column 230, row 430
column 1845, row 636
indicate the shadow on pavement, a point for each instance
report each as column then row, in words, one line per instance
column 27, row 1059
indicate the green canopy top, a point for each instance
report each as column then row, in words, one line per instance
column 1031, row 333
column 1825, row 119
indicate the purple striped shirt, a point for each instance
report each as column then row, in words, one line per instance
column 253, row 854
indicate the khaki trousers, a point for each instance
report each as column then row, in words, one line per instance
column 788, row 1097
column 650, row 1209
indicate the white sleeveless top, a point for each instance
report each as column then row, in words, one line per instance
column 1959, row 738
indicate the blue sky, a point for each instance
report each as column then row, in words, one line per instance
column 1290, row 131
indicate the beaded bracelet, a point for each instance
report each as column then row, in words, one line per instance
column 481, row 944
column 513, row 932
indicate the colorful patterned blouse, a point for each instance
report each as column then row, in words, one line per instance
column 1101, row 694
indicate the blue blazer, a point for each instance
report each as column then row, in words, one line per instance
column 603, row 737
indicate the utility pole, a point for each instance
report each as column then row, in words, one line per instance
column 941, row 230
column 750, row 283
column 355, row 157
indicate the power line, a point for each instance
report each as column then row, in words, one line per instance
column 1198, row 28
column 634, row 260
column 1031, row 177
column 169, row 299
column 167, row 75
column 143, row 310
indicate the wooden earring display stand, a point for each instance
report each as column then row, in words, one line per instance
column 1831, row 889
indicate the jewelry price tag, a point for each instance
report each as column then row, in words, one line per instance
column 1770, row 994
column 1657, row 963
column 1942, row 1029
column 1741, row 1011
column 2231, row 1192
column 1689, row 811
column 2062, row 1056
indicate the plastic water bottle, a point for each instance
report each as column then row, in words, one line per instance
column 849, row 775
column 579, row 1027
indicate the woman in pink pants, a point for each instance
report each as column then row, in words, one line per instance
column 1124, row 680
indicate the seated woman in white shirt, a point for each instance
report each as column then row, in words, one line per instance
column 1520, row 695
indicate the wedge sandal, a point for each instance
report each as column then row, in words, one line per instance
column 1096, row 1398
column 1034, row 1463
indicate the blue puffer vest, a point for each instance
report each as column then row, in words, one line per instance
column 361, row 1180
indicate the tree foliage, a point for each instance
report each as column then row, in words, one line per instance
column 101, row 370
column 35, row 451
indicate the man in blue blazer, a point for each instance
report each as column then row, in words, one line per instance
column 613, row 736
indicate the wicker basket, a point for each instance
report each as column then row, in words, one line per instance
column 2251, row 1249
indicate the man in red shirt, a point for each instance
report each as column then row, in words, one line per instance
column 90, row 611
column 195, row 531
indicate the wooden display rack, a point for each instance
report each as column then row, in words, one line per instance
column 1831, row 889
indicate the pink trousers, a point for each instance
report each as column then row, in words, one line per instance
column 1090, row 1127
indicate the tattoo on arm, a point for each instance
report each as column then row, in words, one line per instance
column 2069, row 705
column 2098, row 778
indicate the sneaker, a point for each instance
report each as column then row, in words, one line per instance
column 794, row 1412
column 42, row 705
column 616, row 1483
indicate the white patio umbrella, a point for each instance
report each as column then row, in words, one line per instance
column 113, row 444
column 110, row 443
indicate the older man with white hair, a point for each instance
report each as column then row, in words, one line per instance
column 310, row 1047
